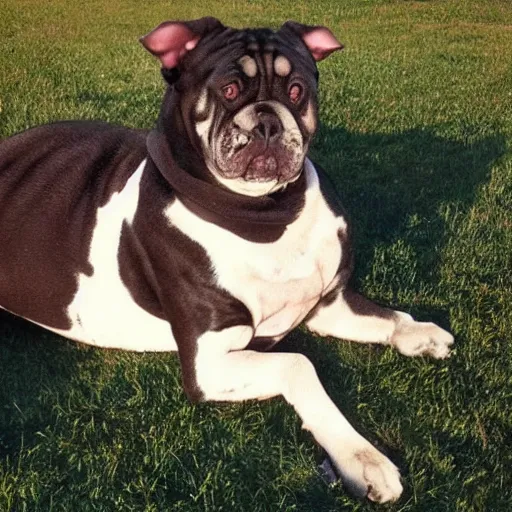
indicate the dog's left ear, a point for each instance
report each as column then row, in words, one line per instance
column 171, row 40
column 319, row 40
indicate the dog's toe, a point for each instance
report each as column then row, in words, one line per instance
column 422, row 338
column 368, row 473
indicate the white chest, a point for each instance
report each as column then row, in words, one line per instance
column 279, row 282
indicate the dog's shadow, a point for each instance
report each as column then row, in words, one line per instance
column 399, row 187
column 32, row 375
column 394, row 187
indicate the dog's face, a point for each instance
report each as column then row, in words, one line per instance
column 247, row 96
column 255, row 117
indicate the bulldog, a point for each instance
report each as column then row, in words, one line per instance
column 212, row 235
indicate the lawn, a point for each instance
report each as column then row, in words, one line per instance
column 417, row 136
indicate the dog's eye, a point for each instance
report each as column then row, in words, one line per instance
column 231, row 91
column 295, row 93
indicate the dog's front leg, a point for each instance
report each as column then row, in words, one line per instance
column 224, row 371
column 351, row 316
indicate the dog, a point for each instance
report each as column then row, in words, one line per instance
column 213, row 235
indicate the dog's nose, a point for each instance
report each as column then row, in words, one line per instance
column 269, row 127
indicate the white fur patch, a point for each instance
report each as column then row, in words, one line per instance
column 212, row 348
column 337, row 319
column 279, row 282
column 203, row 127
column 103, row 313
column 202, row 103
column 282, row 66
column 309, row 118
column 246, row 119
column 249, row 66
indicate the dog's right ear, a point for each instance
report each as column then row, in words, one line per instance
column 171, row 40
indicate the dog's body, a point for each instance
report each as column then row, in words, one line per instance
column 101, row 291
column 211, row 235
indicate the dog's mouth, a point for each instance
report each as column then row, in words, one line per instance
column 261, row 167
column 258, row 161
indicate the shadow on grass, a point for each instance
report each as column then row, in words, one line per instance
column 36, row 369
column 394, row 186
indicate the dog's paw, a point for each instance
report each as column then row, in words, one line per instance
column 365, row 472
column 413, row 338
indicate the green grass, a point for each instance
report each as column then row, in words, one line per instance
column 416, row 133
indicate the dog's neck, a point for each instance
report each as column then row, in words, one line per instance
column 259, row 219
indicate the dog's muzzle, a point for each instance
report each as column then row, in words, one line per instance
column 261, row 143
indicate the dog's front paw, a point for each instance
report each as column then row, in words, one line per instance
column 365, row 472
column 413, row 338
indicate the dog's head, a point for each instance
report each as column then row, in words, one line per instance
column 247, row 98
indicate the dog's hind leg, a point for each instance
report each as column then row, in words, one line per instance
column 224, row 371
column 348, row 315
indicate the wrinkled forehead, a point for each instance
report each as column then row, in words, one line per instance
column 253, row 52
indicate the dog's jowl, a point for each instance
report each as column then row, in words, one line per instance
column 209, row 235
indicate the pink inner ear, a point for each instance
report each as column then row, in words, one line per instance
column 321, row 42
column 170, row 42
